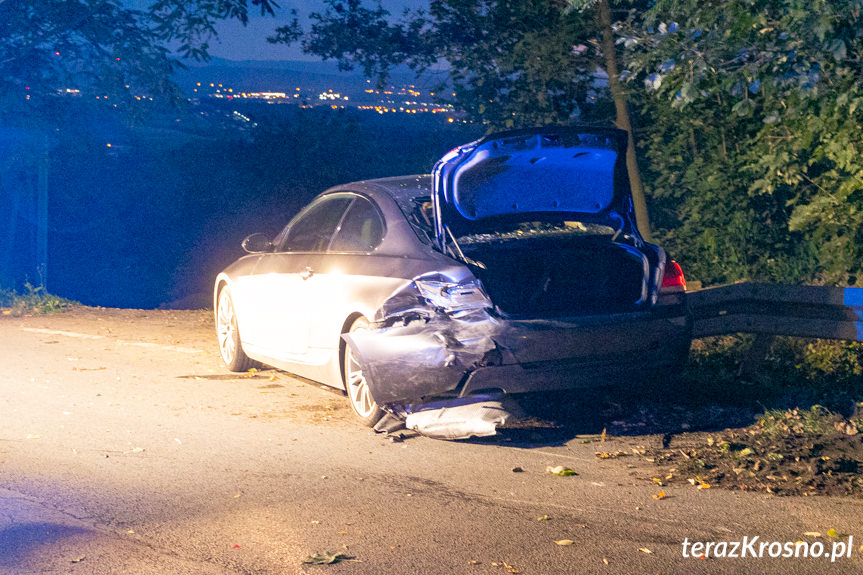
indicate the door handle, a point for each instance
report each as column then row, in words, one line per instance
column 307, row 273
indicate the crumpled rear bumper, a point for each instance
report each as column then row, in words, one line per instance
column 447, row 356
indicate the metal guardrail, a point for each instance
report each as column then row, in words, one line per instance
column 801, row 311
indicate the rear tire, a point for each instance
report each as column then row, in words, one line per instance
column 356, row 386
column 230, row 345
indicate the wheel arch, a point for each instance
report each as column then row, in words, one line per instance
column 222, row 281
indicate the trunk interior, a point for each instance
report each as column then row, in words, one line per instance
column 571, row 275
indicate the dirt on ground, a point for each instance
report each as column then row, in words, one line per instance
column 794, row 452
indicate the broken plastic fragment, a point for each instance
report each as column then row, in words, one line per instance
column 560, row 470
column 459, row 418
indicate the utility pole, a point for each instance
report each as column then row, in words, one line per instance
column 42, row 215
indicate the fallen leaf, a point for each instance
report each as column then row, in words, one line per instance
column 703, row 486
column 560, row 470
column 660, row 495
column 327, row 558
column 77, row 559
column 542, row 518
column 238, row 495
column 604, row 560
column 564, row 542
column 315, row 522
column 130, row 531
column 645, row 550
column 611, row 455
column 473, row 562
column 32, row 437
column 831, row 532
column 393, row 547
column 341, row 532
column 517, row 470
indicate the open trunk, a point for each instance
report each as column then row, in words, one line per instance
column 568, row 275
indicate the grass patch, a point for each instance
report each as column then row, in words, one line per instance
column 35, row 301
column 794, row 373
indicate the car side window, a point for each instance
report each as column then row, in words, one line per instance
column 313, row 228
column 362, row 228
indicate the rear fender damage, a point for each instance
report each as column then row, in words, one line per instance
column 423, row 344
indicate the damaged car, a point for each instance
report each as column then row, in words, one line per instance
column 515, row 267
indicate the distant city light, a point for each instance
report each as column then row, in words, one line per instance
column 406, row 99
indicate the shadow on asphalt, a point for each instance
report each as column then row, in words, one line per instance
column 653, row 408
column 20, row 540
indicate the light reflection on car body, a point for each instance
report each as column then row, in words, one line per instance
column 497, row 292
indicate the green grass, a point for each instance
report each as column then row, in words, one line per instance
column 35, row 301
column 795, row 373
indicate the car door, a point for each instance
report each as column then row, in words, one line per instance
column 285, row 303
column 348, row 274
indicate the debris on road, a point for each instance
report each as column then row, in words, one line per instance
column 460, row 418
column 328, row 558
column 786, row 452
column 560, row 470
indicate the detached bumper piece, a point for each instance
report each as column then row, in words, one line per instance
column 459, row 418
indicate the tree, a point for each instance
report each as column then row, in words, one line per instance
column 100, row 47
column 509, row 63
column 754, row 137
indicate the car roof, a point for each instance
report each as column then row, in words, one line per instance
column 402, row 189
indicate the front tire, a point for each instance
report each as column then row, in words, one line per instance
column 230, row 345
column 356, row 386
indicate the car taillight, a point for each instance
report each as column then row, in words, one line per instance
column 673, row 280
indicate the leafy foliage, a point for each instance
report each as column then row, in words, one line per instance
column 101, row 47
column 510, row 64
column 36, row 300
column 754, row 136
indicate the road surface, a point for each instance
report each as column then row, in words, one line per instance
column 126, row 448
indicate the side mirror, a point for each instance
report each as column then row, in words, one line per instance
column 257, row 244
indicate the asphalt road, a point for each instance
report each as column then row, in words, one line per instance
column 125, row 448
